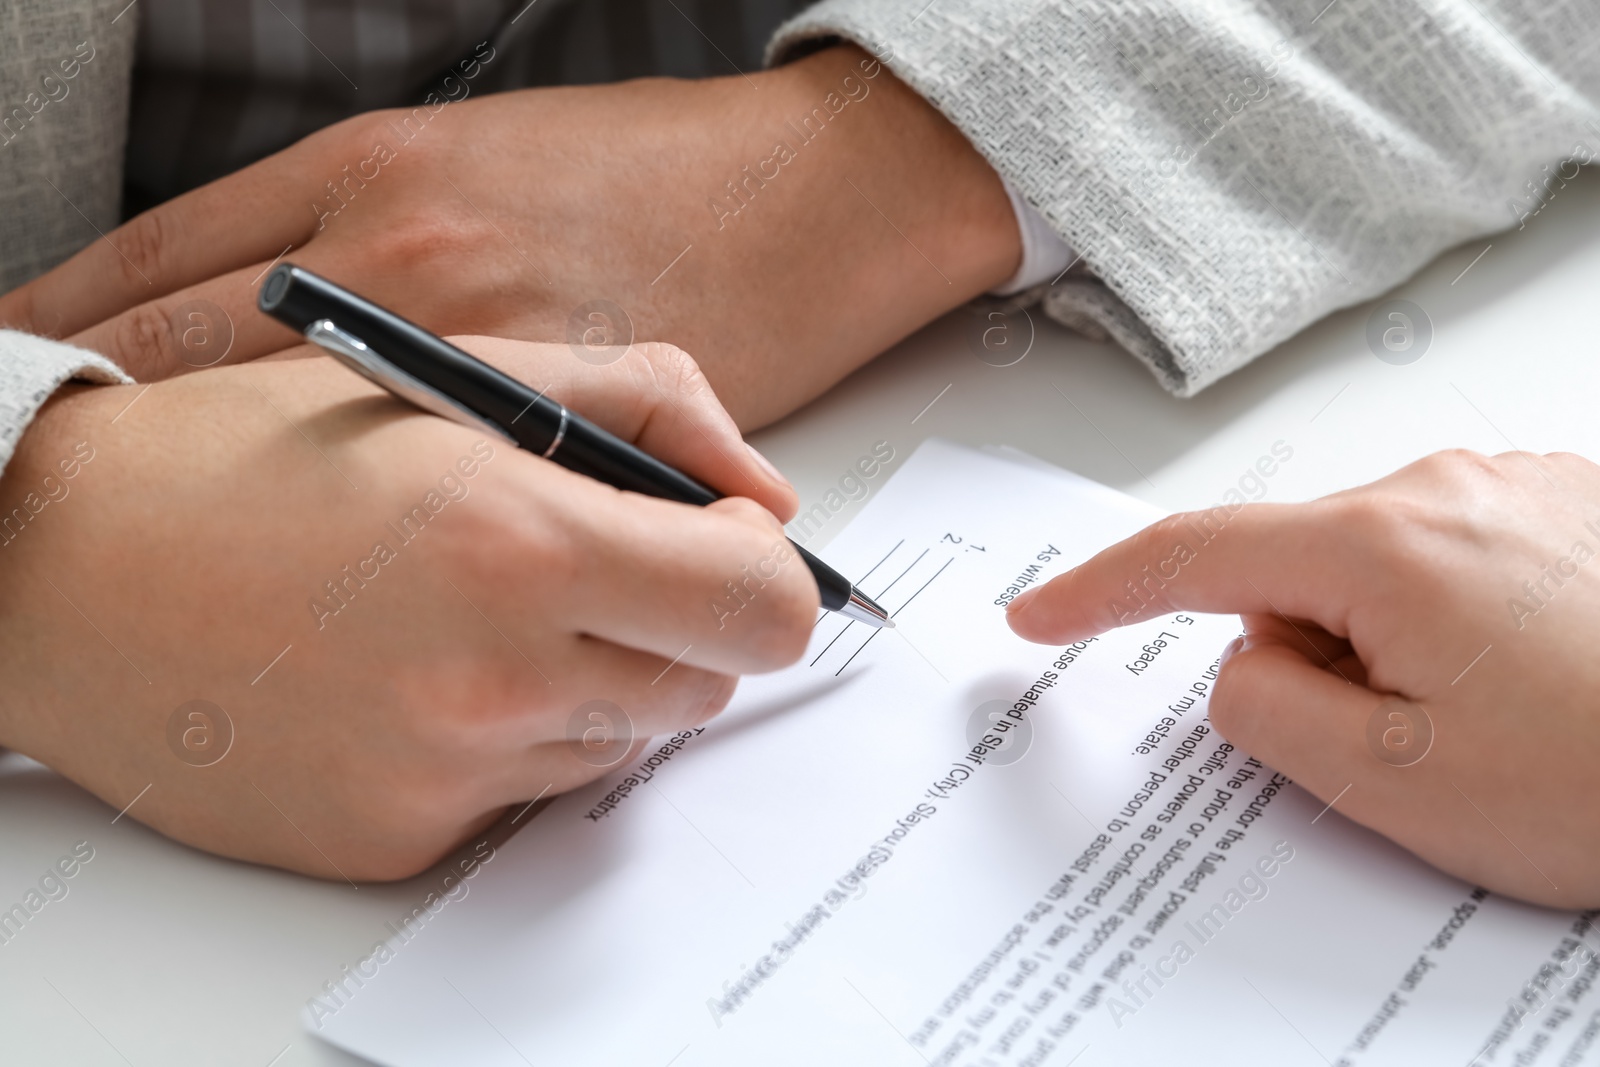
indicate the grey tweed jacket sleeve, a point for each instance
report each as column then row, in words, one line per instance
column 1229, row 170
column 1233, row 170
column 64, row 73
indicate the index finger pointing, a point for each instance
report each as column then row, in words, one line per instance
column 1259, row 558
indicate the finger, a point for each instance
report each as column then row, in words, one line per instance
column 633, row 697
column 1318, row 646
column 655, row 396
column 611, row 702
column 247, row 217
column 554, row 767
column 206, row 325
column 1313, row 726
column 720, row 588
column 656, row 695
column 1282, row 559
column 1294, row 715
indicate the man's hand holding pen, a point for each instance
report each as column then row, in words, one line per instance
column 392, row 676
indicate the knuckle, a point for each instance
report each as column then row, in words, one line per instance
column 446, row 235
column 359, row 129
column 1397, row 533
column 709, row 694
column 1367, row 515
column 1374, row 524
column 1450, row 458
column 143, row 242
column 1230, row 699
column 139, row 342
column 668, row 360
column 1458, row 468
column 757, row 523
column 675, row 371
column 721, row 694
column 1566, row 459
column 17, row 311
column 1580, row 470
column 333, row 134
column 451, row 712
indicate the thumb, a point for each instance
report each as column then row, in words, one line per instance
column 1287, row 711
column 1365, row 753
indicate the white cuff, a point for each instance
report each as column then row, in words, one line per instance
column 1044, row 254
column 31, row 368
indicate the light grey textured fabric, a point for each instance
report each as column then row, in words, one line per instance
column 1229, row 170
column 31, row 368
column 1233, row 170
column 64, row 70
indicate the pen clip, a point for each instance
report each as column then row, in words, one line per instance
column 353, row 352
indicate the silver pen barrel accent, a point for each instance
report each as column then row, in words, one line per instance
column 862, row 609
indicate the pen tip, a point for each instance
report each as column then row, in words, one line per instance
column 863, row 608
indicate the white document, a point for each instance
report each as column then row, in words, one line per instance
column 941, row 844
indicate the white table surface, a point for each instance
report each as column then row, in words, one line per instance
column 164, row 955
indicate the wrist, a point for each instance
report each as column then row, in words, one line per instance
column 1045, row 256
column 805, row 220
column 855, row 215
column 35, row 495
column 949, row 232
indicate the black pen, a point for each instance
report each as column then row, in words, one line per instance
column 440, row 378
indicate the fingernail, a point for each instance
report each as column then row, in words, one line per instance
column 1235, row 646
column 766, row 464
column 1020, row 602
